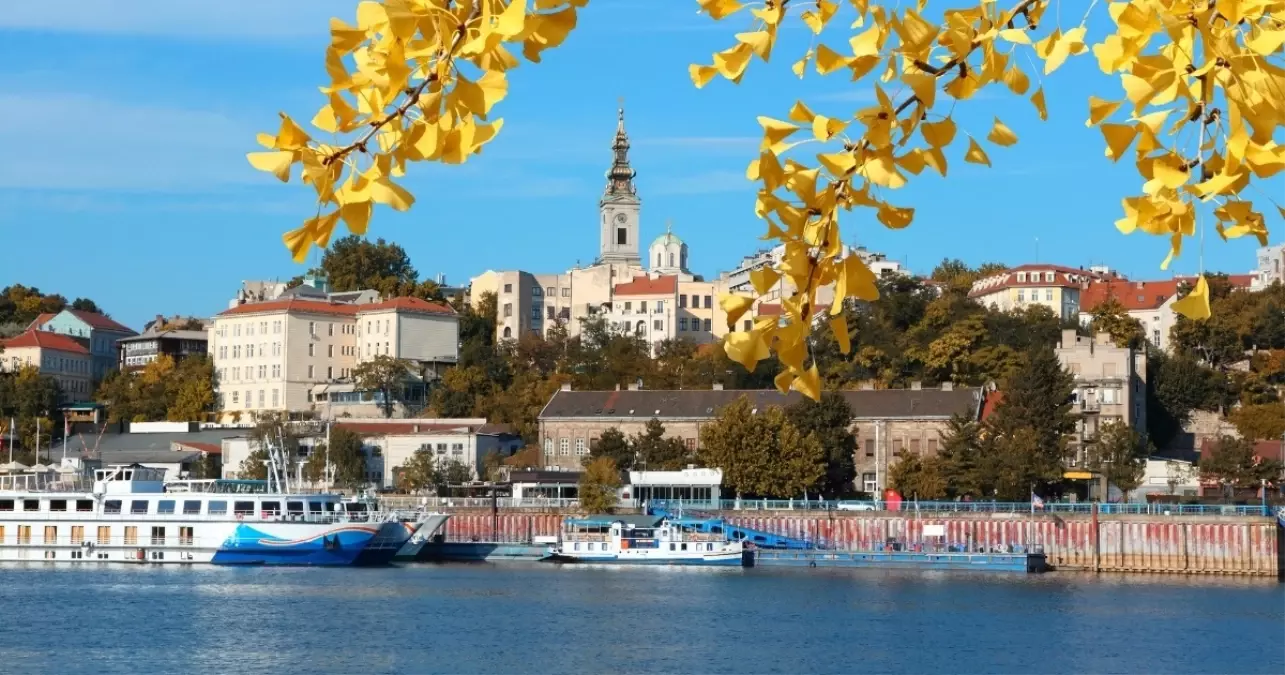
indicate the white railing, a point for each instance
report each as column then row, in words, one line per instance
column 44, row 483
column 89, row 517
column 479, row 502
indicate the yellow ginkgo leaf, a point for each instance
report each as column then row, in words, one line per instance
column 1195, row 305
column 824, row 128
column 1119, row 137
column 746, row 348
column 1100, row 110
column 384, row 191
column 718, row 9
column 895, row 217
column 975, row 154
column 701, row 75
column 763, row 279
column 938, row 134
column 782, row 381
column 809, row 383
column 829, row 60
column 774, row 131
column 734, row 306
column 839, row 326
column 1015, row 35
column 1001, row 134
column 275, row 162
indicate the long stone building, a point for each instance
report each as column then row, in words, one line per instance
column 884, row 421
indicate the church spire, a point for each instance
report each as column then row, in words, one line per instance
column 620, row 177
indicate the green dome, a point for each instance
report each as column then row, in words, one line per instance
column 667, row 238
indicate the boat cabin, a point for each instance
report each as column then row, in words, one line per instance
column 619, row 533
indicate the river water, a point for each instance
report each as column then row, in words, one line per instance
column 535, row 618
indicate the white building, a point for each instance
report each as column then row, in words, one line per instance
column 269, row 356
column 1271, row 261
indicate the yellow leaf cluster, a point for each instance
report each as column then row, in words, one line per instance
column 409, row 81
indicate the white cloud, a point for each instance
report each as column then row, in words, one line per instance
column 252, row 19
column 74, row 141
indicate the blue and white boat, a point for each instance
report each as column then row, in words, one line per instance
column 128, row 513
column 645, row 540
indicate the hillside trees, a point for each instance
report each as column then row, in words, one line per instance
column 161, row 391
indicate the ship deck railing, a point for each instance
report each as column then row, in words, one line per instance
column 91, row 517
column 44, row 482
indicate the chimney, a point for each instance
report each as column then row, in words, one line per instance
column 867, row 386
column 1103, row 339
column 635, row 386
column 916, row 385
column 1068, row 338
column 617, row 386
column 948, row 386
column 567, row 387
column 718, row 386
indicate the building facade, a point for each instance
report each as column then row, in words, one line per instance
column 138, row 351
column 1052, row 286
column 1149, row 302
column 1110, row 385
column 100, row 332
column 64, row 358
column 1270, row 268
column 269, row 356
column 884, row 422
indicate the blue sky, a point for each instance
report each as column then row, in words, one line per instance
column 123, row 178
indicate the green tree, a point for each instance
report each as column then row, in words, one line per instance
column 356, row 263
column 830, row 421
column 599, row 486
column 419, row 472
column 655, row 452
column 347, row 458
column 1027, row 435
column 1120, row 453
column 1177, row 385
column 1231, row 462
column 960, row 458
column 86, row 305
column 453, row 472
column 613, row 445
column 740, row 444
column 384, row 375
column 270, row 428
column 801, row 467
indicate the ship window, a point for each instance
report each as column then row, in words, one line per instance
column 84, row 505
column 185, row 535
column 138, row 506
column 270, row 508
column 111, row 506
column 191, row 507
column 128, row 475
column 243, row 508
column 577, row 546
column 709, row 547
column 294, row 508
column 6, row 504
column 165, row 506
column 158, row 535
column 57, row 504
column 314, row 507
column 671, row 547
column 217, row 508
column 684, row 547
column 31, row 505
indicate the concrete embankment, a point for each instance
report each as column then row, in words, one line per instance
column 1226, row 545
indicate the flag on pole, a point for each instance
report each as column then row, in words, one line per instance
column 1036, row 502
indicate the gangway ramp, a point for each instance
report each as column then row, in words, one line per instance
column 759, row 538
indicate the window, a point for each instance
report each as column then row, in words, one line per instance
column 191, row 507
column 508, row 309
column 131, row 535
column 914, row 446
column 660, row 306
column 330, row 375
column 57, row 504
column 270, row 509
column 564, row 447
column 748, row 324
column 1021, row 277
column 330, row 329
column 24, row 534
column 870, row 447
column 104, row 534
column 682, row 323
column 138, row 506
column 1048, row 295
column 896, row 446
column 217, row 508
column 535, row 312
column 682, row 301
column 1021, row 296
column 707, row 325
column 707, row 302
column 566, row 292
column 240, row 508
column 84, row 505
column 294, row 508
column 622, row 236
column 552, row 313
column 658, row 324
column 508, row 288
column 868, row 482
column 551, row 292
column 312, row 350
column 690, row 443
column 51, row 534
column 642, row 307
column 185, row 536
column 580, row 448
column 330, row 351
column 932, row 446
column 274, row 398
column 158, row 535
column 1048, row 276
column 111, row 506
column 165, row 506
column 310, row 372
column 548, row 447
column 508, row 332
column 628, row 306
column 312, row 328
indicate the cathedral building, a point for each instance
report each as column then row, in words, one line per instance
column 656, row 297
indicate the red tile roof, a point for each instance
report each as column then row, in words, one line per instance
column 1132, row 295
column 1264, row 450
column 47, row 340
column 992, row 402
column 408, row 304
column 101, row 321
column 1236, row 280
column 294, row 305
column 208, row 448
column 643, row 285
column 1065, row 277
column 41, row 320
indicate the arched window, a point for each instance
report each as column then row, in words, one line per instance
column 671, row 259
column 657, row 260
column 508, row 332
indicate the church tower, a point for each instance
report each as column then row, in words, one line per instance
column 619, row 207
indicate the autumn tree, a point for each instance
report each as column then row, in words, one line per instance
column 1119, row 453
column 1231, row 463
column 526, row 458
column 762, row 454
column 419, row 471
column 613, row 445
column 599, row 484
column 916, row 477
column 1111, row 318
column 1027, row 434
column 1261, row 421
column 270, row 429
column 384, row 375
column 453, row 472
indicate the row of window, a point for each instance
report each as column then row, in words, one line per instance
column 1035, row 295
column 696, row 324
column 537, row 292
column 249, row 398
column 642, row 306
column 564, row 446
column 898, row 445
column 163, row 507
column 1035, row 276
column 696, row 301
column 104, row 535
column 61, row 364
column 456, row 448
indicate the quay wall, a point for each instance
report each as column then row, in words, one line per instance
column 1120, row 543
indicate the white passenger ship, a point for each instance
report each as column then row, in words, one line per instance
column 645, row 540
column 128, row 513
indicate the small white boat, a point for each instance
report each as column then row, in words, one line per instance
column 645, row 540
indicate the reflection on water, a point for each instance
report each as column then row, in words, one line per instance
column 531, row 618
